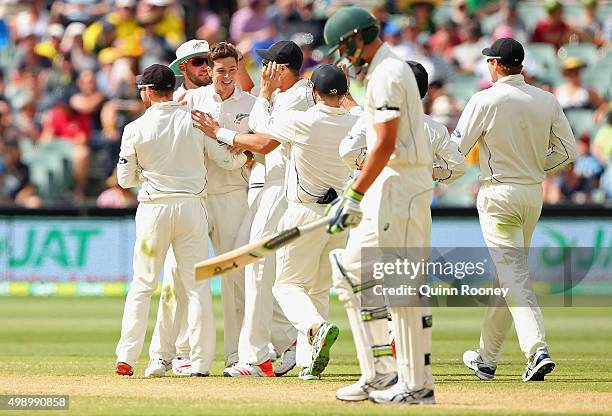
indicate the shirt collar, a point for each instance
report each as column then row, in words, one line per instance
column 164, row 105
column 382, row 52
column 512, row 80
column 330, row 110
column 235, row 95
column 301, row 82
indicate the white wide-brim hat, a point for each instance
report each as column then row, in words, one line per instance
column 188, row 50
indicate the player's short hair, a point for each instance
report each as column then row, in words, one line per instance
column 512, row 70
column 222, row 50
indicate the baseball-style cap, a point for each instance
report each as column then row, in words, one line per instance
column 421, row 76
column 329, row 79
column 158, row 77
column 283, row 52
column 188, row 50
column 507, row 51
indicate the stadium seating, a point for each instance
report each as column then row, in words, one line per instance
column 50, row 167
column 463, row 86
column 530, row 13
column 546, row 63
column 586, row 52
column 581, row 122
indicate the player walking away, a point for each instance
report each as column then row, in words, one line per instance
column 264, row 322
column 227, row 207
column 396, row 208
column 315, row 175
column 448, row 167
column 162, row 153
column 522, row 134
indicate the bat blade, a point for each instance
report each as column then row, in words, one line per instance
column 250, row 253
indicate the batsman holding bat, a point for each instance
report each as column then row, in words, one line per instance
column 396, row 207
column 522, row 134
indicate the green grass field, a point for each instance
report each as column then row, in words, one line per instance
column 66, row 346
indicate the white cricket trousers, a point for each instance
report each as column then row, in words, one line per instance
column 180, row 223
column 264, row 321
column 303, row 274
column 397, row 217
column 508, row 215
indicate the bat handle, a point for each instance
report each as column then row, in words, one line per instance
column 315, row 225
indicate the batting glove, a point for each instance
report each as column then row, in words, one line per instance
column 345, row 212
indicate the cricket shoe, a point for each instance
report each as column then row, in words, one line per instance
column 181, row 367
column 360, row 390
column 288, row 361
column 250, row 370
column 474, row 362
column 321, row 344
column 306, row 375
column 157, row 368
column 400, row 394
column 204, row 374
column 538, row 365
column 124, row 369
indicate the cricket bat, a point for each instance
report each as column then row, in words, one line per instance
column 250, row 253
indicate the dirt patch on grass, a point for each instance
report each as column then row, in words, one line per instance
column 289, row 392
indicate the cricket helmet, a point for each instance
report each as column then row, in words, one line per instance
column 347, row 22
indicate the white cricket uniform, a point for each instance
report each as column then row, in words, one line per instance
column 449, row 162
column 264, row 321
column 163, row 153
column 522, row 134
column 302, row 267
column 227, row 208
column 396, row 213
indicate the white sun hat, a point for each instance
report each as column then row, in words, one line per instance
column 189, row 49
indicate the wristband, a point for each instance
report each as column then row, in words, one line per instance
column 351, row 193
column 226, row 136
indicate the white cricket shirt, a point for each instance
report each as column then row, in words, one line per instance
column 163, row 153
column 232, row 114
column 314, row 165
column 521, row 130
column 298, row 97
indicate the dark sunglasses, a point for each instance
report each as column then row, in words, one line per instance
column 198, row 61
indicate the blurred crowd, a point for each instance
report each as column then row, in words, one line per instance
column 68, row 67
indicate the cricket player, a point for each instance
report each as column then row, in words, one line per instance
column 163, row 153
column 227, row 207
column 264, row 322
column 192, row 64
column 396, row 207
column 522, row 134
column 315, row 176
column 449, row 166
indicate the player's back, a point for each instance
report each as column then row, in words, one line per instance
column 169, row 150
column 517, row 120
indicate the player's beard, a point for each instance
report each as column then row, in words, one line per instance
column 193, row 78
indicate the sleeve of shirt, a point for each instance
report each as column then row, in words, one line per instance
column 353, row 147
column 220, row 154
column 562, row 148
column 451, row 163
column 260, row 115
column 283, row 127
column 470, row 127
column 128, row 170
column 387, row 95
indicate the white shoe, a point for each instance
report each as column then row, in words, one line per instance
column 474, row 362
column 400, row 394
column 250, row 370
column 305, row 374
column 181, row 367
column 157, row 368
column 287, row 362
column 538, row 365
column 359, row 390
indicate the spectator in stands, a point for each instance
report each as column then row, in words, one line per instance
column 441, row 106
column 445, row 39
column 469, row 53
column 28, row 58
column 602, row 144
column 33, row 19
column 553, row 29
column 119, row 23
column 588, row 26
column 251, row 23
column 166, row 19
column 460, row 14
column 62, row 122
column 8, row 131
column 573, row 94
column 115, row 196
column 422, row 10
column 305, row 42
column 49, row 48
column 73, row 46
column 88, row 100
column 508, row 16
column 25, row 119
column 84, row 11
column 209, row 24
column 586, row 165
column 15, row 186
column 393, row 35
column 309, row 22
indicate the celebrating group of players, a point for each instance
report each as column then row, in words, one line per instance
column 214, row 161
